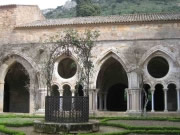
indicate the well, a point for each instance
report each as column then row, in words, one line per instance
column 66, row 115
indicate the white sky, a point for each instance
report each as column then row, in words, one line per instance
column 43, row 4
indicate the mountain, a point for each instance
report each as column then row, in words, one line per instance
column 117, row 7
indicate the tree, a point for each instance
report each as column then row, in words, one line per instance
column 86, row 8
column 81, row 44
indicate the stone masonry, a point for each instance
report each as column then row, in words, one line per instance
column 132, row 52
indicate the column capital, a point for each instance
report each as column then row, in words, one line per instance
column 152, row 90
column 73, row 90
column 165, row 90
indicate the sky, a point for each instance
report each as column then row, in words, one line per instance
column 43, row 4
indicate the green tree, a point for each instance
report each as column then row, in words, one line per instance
column 87, row 8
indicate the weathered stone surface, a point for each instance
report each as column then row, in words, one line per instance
column 52, row 128
column 131, row 44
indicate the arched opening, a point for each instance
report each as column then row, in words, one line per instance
column 172, row 98
column 55, row 91
column 159, row 98
column 79, row 90
column 146, row 97
column 67, row 100
column 112, row 81
column 16, row 89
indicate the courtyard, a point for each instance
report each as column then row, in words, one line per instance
column 16, row 124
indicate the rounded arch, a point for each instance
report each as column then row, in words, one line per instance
column 172, row 83
column 55, row 90
column 172, row 99
column 66, row 83
column 148, row 83
column 56, row 83
column 159, row 98
column 159, row 83
column 103, row 57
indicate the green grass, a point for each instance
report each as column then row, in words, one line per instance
column 13, row 120
column 10, row 132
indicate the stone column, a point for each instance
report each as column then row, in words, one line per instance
column 1, row 96
column 42, row 92
column 32, row 101
column 178, row 100
column 95, row 99
column 91, row 101
column 61, row 100
column 152, row 100
column 73, row 95
column 100, row 101
column 105, row 101
column 61, row 92
column 135, row 100
column 134, row 92
column 128, row 105
column 165, row 100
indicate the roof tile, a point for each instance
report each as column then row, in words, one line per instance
column 105, row 19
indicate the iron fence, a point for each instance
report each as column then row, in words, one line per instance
column 66, row 109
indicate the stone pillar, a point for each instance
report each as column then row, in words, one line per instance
column 61, row 92
column 61, row 100
column 100, row 101
column 105, row 101
column 91, row 101
column 152, row 100
column 32, row 101
column 165, row 100
column 135, row 100
column 128, row 105
column 42, row 92
column 1, row 96
column 73, row 93
column 95, row 99
column 134, row 92
column 178, row 100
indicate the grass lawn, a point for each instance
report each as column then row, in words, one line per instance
column 116, row 125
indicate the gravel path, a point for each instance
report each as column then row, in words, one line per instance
column 149, row 123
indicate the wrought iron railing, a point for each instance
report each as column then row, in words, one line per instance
column 66, row 109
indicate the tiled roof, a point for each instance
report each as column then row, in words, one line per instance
column 106, row 19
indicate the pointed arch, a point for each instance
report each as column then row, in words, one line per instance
column 158, row 51
column 31, row 68
column 103, row 57
column 112, row 52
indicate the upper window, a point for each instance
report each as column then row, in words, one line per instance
column 67, row 68
column 158, row 67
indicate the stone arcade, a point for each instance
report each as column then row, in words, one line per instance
column 128, row 45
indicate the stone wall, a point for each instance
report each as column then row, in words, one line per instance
column 131, row 44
